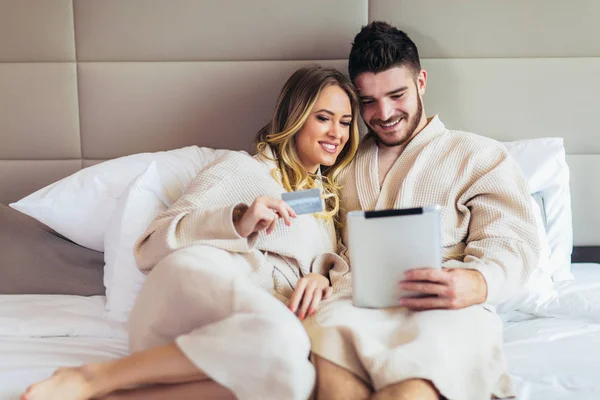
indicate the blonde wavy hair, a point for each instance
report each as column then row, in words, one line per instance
column 294, row 105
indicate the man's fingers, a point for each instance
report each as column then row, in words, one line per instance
column 426, row 274
column 427, row 303
column 427, row 288
column 297, row 295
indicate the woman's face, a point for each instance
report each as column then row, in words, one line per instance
column 326, row 130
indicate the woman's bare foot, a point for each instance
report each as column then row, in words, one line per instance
column 163, row 364
column 64, row 384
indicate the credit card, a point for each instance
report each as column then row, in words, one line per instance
column 304, row 201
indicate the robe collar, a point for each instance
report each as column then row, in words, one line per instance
column 366, row 164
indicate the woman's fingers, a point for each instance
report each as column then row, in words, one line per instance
column 270, row 210
column 297, row 295
column 283, row 209
column 309, row 293
column 290, row 210
column 315, row 301
column 271, row 220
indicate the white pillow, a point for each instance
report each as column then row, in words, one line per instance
column 163, row 182
column 544, row 163
column 135, row 211
column 80, row 205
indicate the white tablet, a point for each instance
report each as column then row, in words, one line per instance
column 384, row 244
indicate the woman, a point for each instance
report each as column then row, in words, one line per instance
column 224, row 259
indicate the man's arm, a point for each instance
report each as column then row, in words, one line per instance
column 502, row 246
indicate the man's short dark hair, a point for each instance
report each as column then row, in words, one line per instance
column 378, row 47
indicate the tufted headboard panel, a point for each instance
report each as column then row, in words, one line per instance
column 83, row 81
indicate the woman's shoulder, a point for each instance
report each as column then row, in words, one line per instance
column 234, row 161
column 227, row 166
column 234, row 169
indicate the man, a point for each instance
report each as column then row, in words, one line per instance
column 448, row 343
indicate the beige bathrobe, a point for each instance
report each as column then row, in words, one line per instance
column 487, row 225
column 217, row 295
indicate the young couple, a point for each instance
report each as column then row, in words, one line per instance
column 236, row 279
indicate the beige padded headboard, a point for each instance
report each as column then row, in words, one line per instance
column 87, row 80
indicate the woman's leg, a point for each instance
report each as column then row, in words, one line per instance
column 161, row 313
column 222, row 324
column 260, row 350
column 182, row 391
column 164, row 364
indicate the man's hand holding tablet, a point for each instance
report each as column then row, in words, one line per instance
column 444, row 288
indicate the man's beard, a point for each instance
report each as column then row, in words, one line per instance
column 413, row 124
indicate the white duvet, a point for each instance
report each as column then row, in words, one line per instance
column 551, row 358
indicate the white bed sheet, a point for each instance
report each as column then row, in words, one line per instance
column 24, row 361
column 41, row 333
column 557, row 357
column 552, row 358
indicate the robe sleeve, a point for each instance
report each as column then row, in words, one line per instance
column 502, row 242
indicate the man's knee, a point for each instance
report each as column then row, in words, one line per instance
column 409, row 389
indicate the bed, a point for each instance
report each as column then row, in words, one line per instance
column 552, row 358
column 556, row 357
column 83, row 82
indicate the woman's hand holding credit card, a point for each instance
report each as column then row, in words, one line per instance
column 262, row 214
column 265, row 211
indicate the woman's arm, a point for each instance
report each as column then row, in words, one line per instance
column 229, row 227
column 187, row 223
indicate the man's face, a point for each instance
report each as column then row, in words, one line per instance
column 391, row 103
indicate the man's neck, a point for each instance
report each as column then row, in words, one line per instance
column 387, row 156
column 394, row 152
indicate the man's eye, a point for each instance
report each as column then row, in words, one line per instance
column 366, row 102
column 397, row 96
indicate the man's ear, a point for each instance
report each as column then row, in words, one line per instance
column 422, row 82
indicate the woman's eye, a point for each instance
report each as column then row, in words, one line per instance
column 345, row 123
column 322, row 118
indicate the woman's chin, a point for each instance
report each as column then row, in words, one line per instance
column 329, row 161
